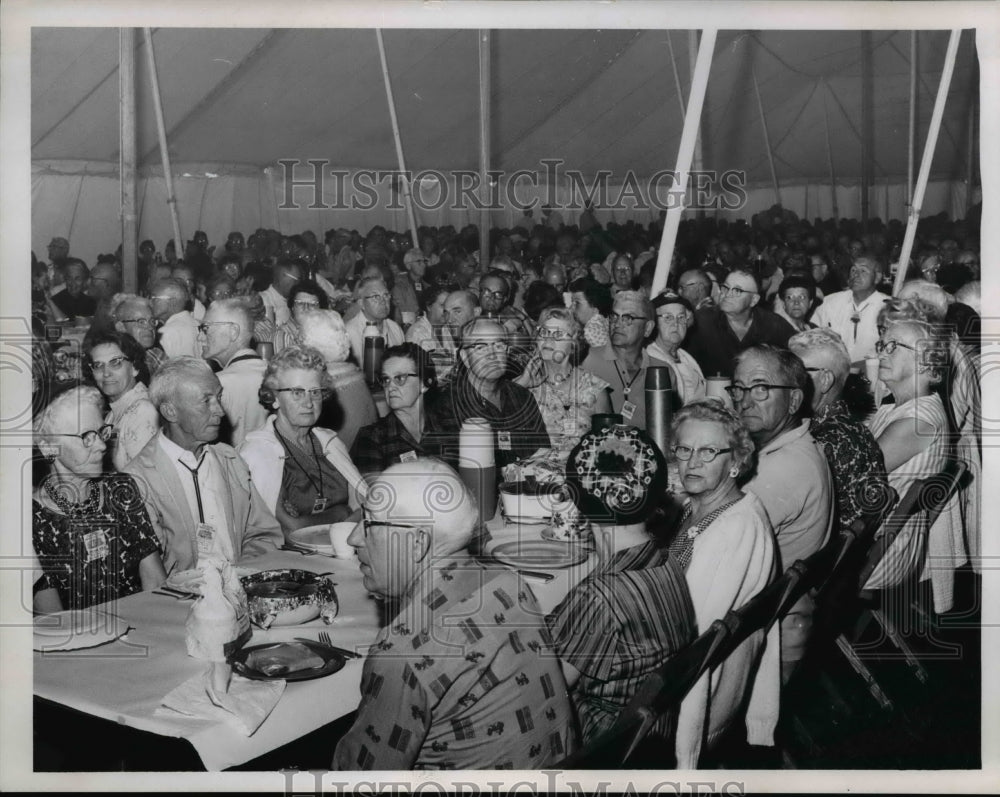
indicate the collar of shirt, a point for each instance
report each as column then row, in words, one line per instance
column 178, row 454
column 128, row 398
column 786, row 437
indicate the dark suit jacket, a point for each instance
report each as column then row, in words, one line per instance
column 251, row 526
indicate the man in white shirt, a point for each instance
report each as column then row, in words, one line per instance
column 853, row 314
column 375, row 303
column 186, row 275
column 286, row 274
column 178, row 332
column 225, row 337
column 793, row 479
column 198, row 493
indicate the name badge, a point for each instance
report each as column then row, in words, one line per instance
column 569, row 427
column 409, row 456
column 95, row 543
column 205, row 536
column 319, row 505
column 503, row 441
column 628, row 410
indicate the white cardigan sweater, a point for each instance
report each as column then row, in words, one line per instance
column 265, row 457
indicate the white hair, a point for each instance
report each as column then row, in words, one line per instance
column 237, row 311
column 120, row 300
column 73, row 399
column 171, row 374
column 969, row 295
column 930, row 292
column 824, row 339
column 324, row 330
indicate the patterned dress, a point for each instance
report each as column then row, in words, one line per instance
column 566, row 408
column 92, row 555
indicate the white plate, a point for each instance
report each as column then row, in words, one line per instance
column 539, row 554
column 316, row 538
column 76, row 630
column 528, row 521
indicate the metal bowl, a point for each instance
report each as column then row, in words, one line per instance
column 289, row 597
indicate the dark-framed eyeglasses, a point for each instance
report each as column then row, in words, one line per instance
column 114, row 364
column 498, row 346
column 306, row 305
column 140, row 322
column 398, row 379
column 705, row 454
column 204, row 325
column 500, row 294
column 734, row 289
column 106, row 432
column 759, row 392
column 626, row 318
column 367, row 524
column 547, row 333
column 889, row 346
column 299, row 393
column 377, row 297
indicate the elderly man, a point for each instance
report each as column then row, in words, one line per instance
column 225, row 338
column 410, row 286
column 494, row 302
column 74, row 301
column 197, row 492
column 480, row 390
column 185, row 274
column 286, row 274
column 853, row 313
column 58, row 250
column 856, row 461
column 132, row 314
column 793, row 479
column 375, row 304
column 170, row 300
column 622, row 363
column 736, row 324
column 460, row 308
column 463, row 676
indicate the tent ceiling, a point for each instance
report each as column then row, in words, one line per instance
column 598, row 99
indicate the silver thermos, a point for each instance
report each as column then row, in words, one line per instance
column 659, row 405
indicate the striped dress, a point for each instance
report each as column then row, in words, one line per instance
column 909, row 552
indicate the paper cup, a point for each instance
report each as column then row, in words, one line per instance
column 339, row 532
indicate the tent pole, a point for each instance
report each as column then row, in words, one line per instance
column 161, row 132
column 971, row 172
column 399, row 144
column 925, row 162
column 692, row 116
column 677, row 77
column 829, row 155
column 485, row 91
column 913, row 116
column 126, row 104
column 866, row 129
column 767, row 138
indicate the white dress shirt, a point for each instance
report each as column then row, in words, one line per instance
column 278, row 303
column 836, row 313
column 179, row 335
column 241, row 380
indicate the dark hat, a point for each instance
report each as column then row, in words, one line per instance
column 669, row 297
column 59, row 242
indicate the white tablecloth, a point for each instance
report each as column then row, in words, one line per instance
column 125, row 681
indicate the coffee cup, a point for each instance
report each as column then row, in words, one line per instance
column 339, row 532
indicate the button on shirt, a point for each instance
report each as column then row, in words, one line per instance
column 212, row 486
column 836, row 313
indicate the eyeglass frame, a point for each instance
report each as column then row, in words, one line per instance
column 203, row 326
column 384, row 379
column 367, row 522
column 545, row 333
column 92, row 434
column 701, row 452
column 152, row 323
column 620, row 317
column 889, row 346
column 732, row 390
column 482, row 346
column 299, row 393
column 734, row 289
column 382, row 297
column 114, row 364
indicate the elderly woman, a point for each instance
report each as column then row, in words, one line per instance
column 796, row 297
column 674, row 317
column 566, row 394
column 592, row 307
column 410, row 429
column 913, row 430
column 90, row 531
column 351, row 405
column 305, row 297
column 134, row 315
column 117, row 365
column 726, row 547
column 303, row 472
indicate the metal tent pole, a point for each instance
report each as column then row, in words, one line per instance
column 127, row 158
column 829, row 155
column 925, row 162
column 161, row 133
column 485, row 89
column 692, row 116
column 913, row 117
column 408, row 198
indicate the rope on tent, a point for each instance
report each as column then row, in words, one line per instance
column 850, row 124
column 829, row 158
column 677, row 77
column 767, row 137
column 798, row 116
column 76, row 204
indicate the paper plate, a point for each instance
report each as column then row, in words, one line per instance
column 332, row 662
column 316, row 538
column 586, row 541
column 544, row 554
column 76, row 630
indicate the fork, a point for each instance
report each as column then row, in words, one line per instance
column 325, row 639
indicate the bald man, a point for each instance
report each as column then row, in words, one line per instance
column 463, row 676
column 225, row 336
column 853, row 313
column 169, row 300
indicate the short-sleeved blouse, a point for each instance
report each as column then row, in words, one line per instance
column 94, row 557
column 567, row 407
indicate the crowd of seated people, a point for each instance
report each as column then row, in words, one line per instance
column 225, row 404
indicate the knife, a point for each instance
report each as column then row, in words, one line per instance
column 489, row 559
column 315, row 645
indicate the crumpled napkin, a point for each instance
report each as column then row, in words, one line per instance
column 244, row 708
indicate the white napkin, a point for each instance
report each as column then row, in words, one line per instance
column 246, row 705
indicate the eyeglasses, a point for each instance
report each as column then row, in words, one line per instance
column 676, row 320
column 695, row 284
column 114, row 364
column 759, row 392
column 367, row 524
column 140, row 322
column 299, row 393
column 706, row 454
column 91, row 435
column 203, row 327
column 398, row 379
column 305, row 305
column 498, row 346
column 546, row 333
column 889, row 346
column 500, row 294
column 734, row 289
column 376, row 297
column 626, row 318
